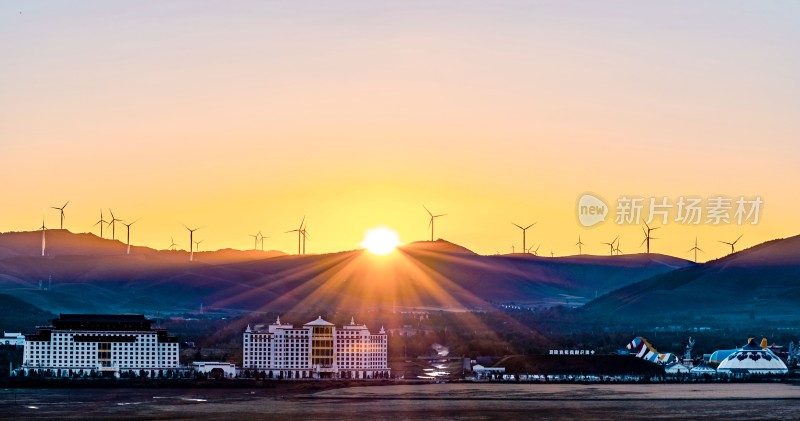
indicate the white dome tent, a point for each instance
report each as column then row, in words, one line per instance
column 752, row 359
column 702, row 370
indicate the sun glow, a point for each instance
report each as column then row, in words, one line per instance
column 380, row 241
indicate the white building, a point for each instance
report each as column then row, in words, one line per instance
column 482, row 372
column 105, row 344
column 227, row 370
column 318, row 349
column 12, row 339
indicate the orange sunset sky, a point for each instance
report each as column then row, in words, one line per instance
column 245, row 116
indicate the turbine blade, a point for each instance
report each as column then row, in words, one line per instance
column 426, row 210
column 517, row 226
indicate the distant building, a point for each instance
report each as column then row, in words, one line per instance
column 752, row 359
column 12, row 339
column 676, row 368
column 318, row 349
column 482, row 372
column 211, row 368
column 105, row 344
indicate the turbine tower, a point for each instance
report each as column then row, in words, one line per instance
column 523, row 233
column 113, row 223
column 580, row 244
column 647, row 236
column 100, row 222
column 695, row 249
column 191, row 241
column 304, row 231
column 43, row 228
column 61, row 209
column 430, row 224
column 128, row 226
column 733, row 244
column 255, row 237
column 611, row 245
column 299, row 232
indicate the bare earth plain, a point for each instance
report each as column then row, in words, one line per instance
column 455, row 401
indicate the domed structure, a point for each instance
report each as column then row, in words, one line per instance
column 752, row 359
column 719, row 355
column 703, row 369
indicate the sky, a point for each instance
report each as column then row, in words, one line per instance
column 248, row 116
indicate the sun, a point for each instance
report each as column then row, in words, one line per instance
column 380, row 241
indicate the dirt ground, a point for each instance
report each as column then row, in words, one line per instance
column 462, row 401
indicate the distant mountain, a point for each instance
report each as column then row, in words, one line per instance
column 64, row 243
column 761, row 281
column 89, row 274
column 18, row 316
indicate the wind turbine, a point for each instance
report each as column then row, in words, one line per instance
column 262, row 240
column 611, row 244
column 536, row 251
column 523, row 233
column 647, row 236
column 43, row 228
column 580, row 244
column 305, row 237
column 512, row 249
column 129, row 234
column 61, row 209
column 197, row 244
column 733, row 249
column 430, row 224
column 113, row 224
column 617, row 249
column 173, row 244
column 100, row 222
column 255, row 237
column 695, row 249
column 191, row 234
column 299, row 232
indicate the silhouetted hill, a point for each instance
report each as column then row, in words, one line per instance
column 762, row 280
column 64, row 243
column 93, row 275
column 18, row 316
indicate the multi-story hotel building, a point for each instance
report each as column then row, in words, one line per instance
column 318, row 349
column 105, row 344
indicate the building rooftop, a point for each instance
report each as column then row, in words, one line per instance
column 319, row 322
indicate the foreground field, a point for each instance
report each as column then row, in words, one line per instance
column 461, row 401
